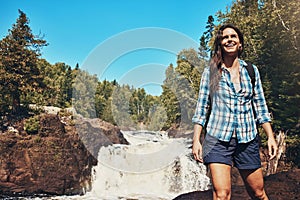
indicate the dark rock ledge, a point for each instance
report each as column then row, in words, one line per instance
column 55, row 160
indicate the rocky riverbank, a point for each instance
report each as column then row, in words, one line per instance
column 55, row 160
column 58, row 157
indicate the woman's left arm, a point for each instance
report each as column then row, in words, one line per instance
column 272, row 145
column 263, row 115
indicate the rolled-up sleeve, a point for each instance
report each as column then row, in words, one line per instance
column 203, row 99
column 260, row 105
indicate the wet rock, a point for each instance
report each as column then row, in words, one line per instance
column 95, row 133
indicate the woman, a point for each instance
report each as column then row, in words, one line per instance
column 232, row 138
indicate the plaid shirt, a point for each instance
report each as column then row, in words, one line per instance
column 232, row 110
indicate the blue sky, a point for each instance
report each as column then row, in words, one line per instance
column 79, row 30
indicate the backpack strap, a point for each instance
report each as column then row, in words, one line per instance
column 251, row 73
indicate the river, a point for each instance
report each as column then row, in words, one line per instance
column 152, row 167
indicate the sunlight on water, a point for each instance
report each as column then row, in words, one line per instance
column 151, row 167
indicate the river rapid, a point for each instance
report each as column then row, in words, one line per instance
column 152, row 167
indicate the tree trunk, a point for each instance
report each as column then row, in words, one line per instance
column 272, row 164
column 15, row 102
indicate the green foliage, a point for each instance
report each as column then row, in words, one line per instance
column 190, row 67
column 25, row 78
column 271, row 30
column 137, row 104
column 180, row 88
column 103, row 100
column 32, row 124
column 120, row 106
column 158, row 117
column 125, row 106
column 293, row 150
column 19, row 52
column 84, row 89
column 169, row 98
column 206, row 37
column 58, row 79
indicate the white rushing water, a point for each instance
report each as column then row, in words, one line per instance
column 152, row 166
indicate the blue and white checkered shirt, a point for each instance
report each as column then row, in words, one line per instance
column 231, row 109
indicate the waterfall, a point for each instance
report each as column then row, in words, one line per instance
column 152, row 166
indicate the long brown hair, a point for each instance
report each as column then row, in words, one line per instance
column 217, row 56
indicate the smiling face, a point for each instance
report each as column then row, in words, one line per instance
column 230, row 42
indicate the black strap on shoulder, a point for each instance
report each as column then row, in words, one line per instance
column 251, row 73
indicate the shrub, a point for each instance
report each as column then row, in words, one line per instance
column 293, row 150
column 32, row 124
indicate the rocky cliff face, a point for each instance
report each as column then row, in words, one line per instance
column 57, row 159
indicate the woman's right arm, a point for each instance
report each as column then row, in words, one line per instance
column 199, row 118
column 197, row 147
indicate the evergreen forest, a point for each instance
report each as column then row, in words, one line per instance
column 272, row 42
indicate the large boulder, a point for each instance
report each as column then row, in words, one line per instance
column 95, row 133
column 53, row 161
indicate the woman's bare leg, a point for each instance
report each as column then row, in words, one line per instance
column 254, row 183
column 221, row 180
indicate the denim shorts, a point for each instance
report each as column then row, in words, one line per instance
column 240, row 155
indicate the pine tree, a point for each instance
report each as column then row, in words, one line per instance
column 19, row 52
column 83, row 94
column 206, row 37
column 169, row 98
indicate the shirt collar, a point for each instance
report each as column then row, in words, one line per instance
column 242, row 64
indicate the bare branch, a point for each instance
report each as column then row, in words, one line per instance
column 294, row 42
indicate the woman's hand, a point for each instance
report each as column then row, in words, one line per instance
column 272, row 144
column 272, row 147
column 197, row 150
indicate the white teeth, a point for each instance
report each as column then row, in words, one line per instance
column 230, row 45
